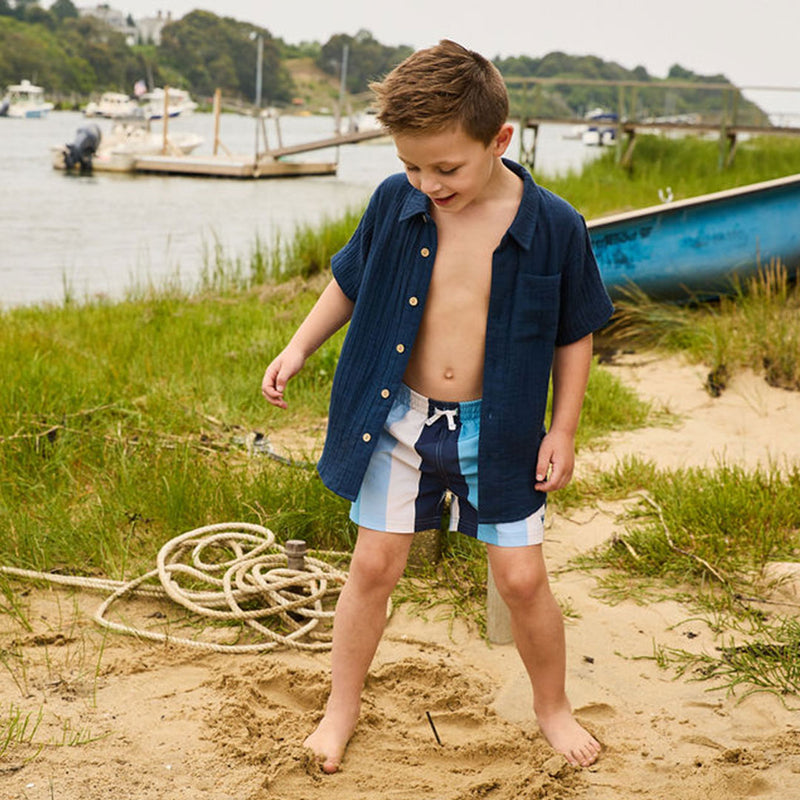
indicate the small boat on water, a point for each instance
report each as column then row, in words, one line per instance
column 178, row 102
column 24, row 100
column 113, row 105
column 695, row 248
column 117, row 150
column 601, row 128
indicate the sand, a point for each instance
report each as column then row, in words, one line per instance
column 143, row 720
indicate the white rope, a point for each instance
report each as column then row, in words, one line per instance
column 254, row 587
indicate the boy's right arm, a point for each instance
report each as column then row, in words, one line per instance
column 330, row 312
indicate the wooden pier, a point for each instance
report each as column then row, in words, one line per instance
column 627, row 131
column 230, row 166
column 628, row 124
column 269, row 164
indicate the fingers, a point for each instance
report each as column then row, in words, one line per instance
column 273, row 385
column 554, row 465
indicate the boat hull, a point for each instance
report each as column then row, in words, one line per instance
column 698, row 247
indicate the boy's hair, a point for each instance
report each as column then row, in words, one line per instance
column 440, row 87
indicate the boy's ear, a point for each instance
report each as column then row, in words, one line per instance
column 503, row 139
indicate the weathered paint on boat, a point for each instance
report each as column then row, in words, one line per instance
column 695, row 247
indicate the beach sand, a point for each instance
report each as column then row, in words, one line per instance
column 170, row 722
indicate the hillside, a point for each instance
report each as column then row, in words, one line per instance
column 75, row 57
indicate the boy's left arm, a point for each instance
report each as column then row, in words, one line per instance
column 556, row 461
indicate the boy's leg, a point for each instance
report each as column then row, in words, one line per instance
column 538, row 629
column 377, row 564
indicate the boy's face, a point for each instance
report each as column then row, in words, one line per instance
column 450, row 167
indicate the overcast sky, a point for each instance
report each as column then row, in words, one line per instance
column 752, row 43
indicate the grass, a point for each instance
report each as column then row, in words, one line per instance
column 704, row 538
column 687, row 166
column 756, row 327
column 123, row 424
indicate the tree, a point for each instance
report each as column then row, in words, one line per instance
column 367, row 59
column 64, row 9
column 212, row 52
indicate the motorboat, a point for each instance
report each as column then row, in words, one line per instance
column 178, row 103
column 601, row 128
column 113, row 105
column 24, row 100
column 117, row 150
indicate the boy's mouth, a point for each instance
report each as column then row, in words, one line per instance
column 443, row 201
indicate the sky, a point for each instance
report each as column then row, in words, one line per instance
column 751, row 43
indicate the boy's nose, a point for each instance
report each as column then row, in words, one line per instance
column 429, row 184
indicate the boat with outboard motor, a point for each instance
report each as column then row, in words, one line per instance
column 118, row 150
column 24, row 100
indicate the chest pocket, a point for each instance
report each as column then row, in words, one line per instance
column 536, row 307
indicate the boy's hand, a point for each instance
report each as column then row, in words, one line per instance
column 278, row 373
column 556, row 461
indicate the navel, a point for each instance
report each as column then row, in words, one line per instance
column 449, row 374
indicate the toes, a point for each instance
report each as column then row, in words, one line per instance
column 330, row 765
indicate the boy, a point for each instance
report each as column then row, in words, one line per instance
column 465, row 282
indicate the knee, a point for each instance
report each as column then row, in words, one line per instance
column 521, row 586
column 375, row 571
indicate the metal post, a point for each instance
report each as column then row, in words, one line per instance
column 342, row 87
column 296, row 554
column 166, row 121
column 259, row 70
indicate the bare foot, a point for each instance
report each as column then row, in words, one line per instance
column 329, row 741
column 568, row 737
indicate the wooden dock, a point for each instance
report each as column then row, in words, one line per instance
column 271, row 164
column 230, row 166
column 627, row 131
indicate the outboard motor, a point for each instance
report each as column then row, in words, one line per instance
column 87, row 140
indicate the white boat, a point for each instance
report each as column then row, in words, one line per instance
column 24, row 101
column 366, row 120
column 601, row 128
column 119, row 149
column 113, row 105
column 179, row 103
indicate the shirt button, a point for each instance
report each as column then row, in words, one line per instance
column 385, row 393
column 424, row 252
column 412, row 301
column 366, row 437
column 401, row 348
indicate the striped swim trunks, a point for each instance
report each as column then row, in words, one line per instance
column 427, row 450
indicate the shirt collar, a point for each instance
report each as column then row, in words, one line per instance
column 524, row 224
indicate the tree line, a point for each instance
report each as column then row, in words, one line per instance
column 75, row 56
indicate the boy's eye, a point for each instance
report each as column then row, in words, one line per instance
column 448, row 171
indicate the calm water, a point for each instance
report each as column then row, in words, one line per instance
column 105, row 233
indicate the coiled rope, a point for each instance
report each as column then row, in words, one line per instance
column 255, row 586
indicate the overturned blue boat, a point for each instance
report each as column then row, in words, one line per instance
column 697, row 248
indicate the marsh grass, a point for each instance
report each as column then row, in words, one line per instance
column 703, row 538
column 756, row 326
column 687, row 166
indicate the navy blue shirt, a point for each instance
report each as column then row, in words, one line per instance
column 546, row 291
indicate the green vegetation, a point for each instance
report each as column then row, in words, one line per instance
column 688, row 167
column 125, row 424
column 73, row 56
column 704, row 538
column 652, row 96
column 756, row 327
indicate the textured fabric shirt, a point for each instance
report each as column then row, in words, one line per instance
column 546, row 291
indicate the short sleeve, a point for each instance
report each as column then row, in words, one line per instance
column 349, row 263
column 585, row 305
